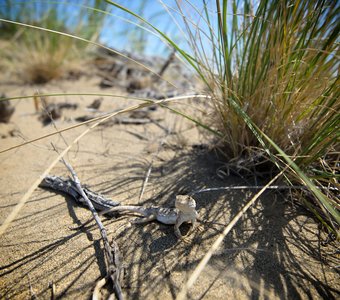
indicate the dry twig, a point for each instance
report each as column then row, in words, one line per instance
column 112, row 253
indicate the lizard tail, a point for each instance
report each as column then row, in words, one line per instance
column 125, row 208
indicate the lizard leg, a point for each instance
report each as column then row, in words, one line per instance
column 200, row 228
column 193, row 222
column 144, row 220
column 178, row 223
column 194, row 226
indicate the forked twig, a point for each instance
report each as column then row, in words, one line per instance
column 112, row 253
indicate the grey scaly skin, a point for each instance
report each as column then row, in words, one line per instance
column 185, row 211
column 68, row 186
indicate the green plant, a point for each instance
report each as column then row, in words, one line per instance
column 44, row 56
column 272, row 73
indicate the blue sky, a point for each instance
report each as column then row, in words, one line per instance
column 153, row 11
column 116, row 32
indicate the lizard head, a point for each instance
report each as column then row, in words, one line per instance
column 185, row 203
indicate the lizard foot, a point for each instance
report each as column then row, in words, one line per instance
column 200, row 228
column 186, row 240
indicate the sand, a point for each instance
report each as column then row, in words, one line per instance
column 274, row 252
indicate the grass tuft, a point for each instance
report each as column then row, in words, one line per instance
column 43, row 56
column 271, row 71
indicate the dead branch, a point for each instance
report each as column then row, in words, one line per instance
column 112, row 253
column 166, row 65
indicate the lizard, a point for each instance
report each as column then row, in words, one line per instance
column 184, row 211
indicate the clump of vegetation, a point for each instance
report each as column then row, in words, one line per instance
column 272, row 73
column 43, row 56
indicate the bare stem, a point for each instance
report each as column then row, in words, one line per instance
column 112, row 253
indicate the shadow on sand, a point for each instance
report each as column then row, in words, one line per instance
column 273, row 251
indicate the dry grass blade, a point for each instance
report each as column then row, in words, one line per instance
column 89, row 42
column 258, row 187
column 23, row 200
column 102, row 118
column 183, row 292
column 145, row 182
